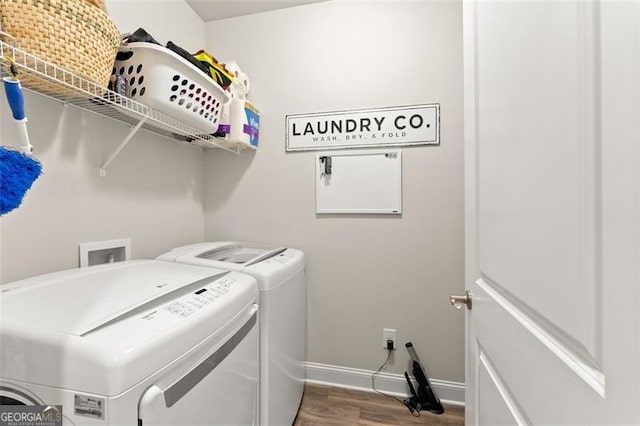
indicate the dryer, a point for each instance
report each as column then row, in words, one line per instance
column 133, row 343
column 280, row 273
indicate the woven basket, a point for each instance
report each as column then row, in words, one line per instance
column 72, row 34
column 98, row 3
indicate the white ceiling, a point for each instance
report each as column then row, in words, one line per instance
column 212, row 10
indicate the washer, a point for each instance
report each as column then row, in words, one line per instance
column 136, row 342
column 283, row 311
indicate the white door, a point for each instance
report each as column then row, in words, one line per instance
column 552, row 125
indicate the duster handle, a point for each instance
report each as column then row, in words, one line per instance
column 13, row 90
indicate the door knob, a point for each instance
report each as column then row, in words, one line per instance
column 458, row 301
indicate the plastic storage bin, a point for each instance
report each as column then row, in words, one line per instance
column 159, row 78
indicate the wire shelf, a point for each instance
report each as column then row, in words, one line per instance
column 50, row 80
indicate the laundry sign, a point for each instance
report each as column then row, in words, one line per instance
column 391, row 126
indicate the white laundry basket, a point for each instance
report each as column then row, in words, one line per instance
column 159, row 78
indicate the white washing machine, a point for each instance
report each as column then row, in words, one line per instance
column 133, row 343
column 283, row 312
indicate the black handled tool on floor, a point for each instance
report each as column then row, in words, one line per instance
column 424, row 398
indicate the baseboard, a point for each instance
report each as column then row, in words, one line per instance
column 394, row 384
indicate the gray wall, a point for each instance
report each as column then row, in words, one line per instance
column 152, row 192
column 364, row 272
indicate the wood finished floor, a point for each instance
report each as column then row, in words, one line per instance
column 324, row 405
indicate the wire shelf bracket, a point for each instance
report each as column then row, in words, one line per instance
column 114, row 154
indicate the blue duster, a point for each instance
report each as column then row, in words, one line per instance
column 18, row 170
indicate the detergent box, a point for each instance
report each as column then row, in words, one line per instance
column 239, row 123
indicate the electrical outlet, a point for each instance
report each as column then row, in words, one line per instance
column 389, row 334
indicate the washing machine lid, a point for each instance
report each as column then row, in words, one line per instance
column 229, row 255
column 108, row 327
column 270, row 265
column 79, row 301
column 245, row 254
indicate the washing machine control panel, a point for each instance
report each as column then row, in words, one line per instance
column 191, row 303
